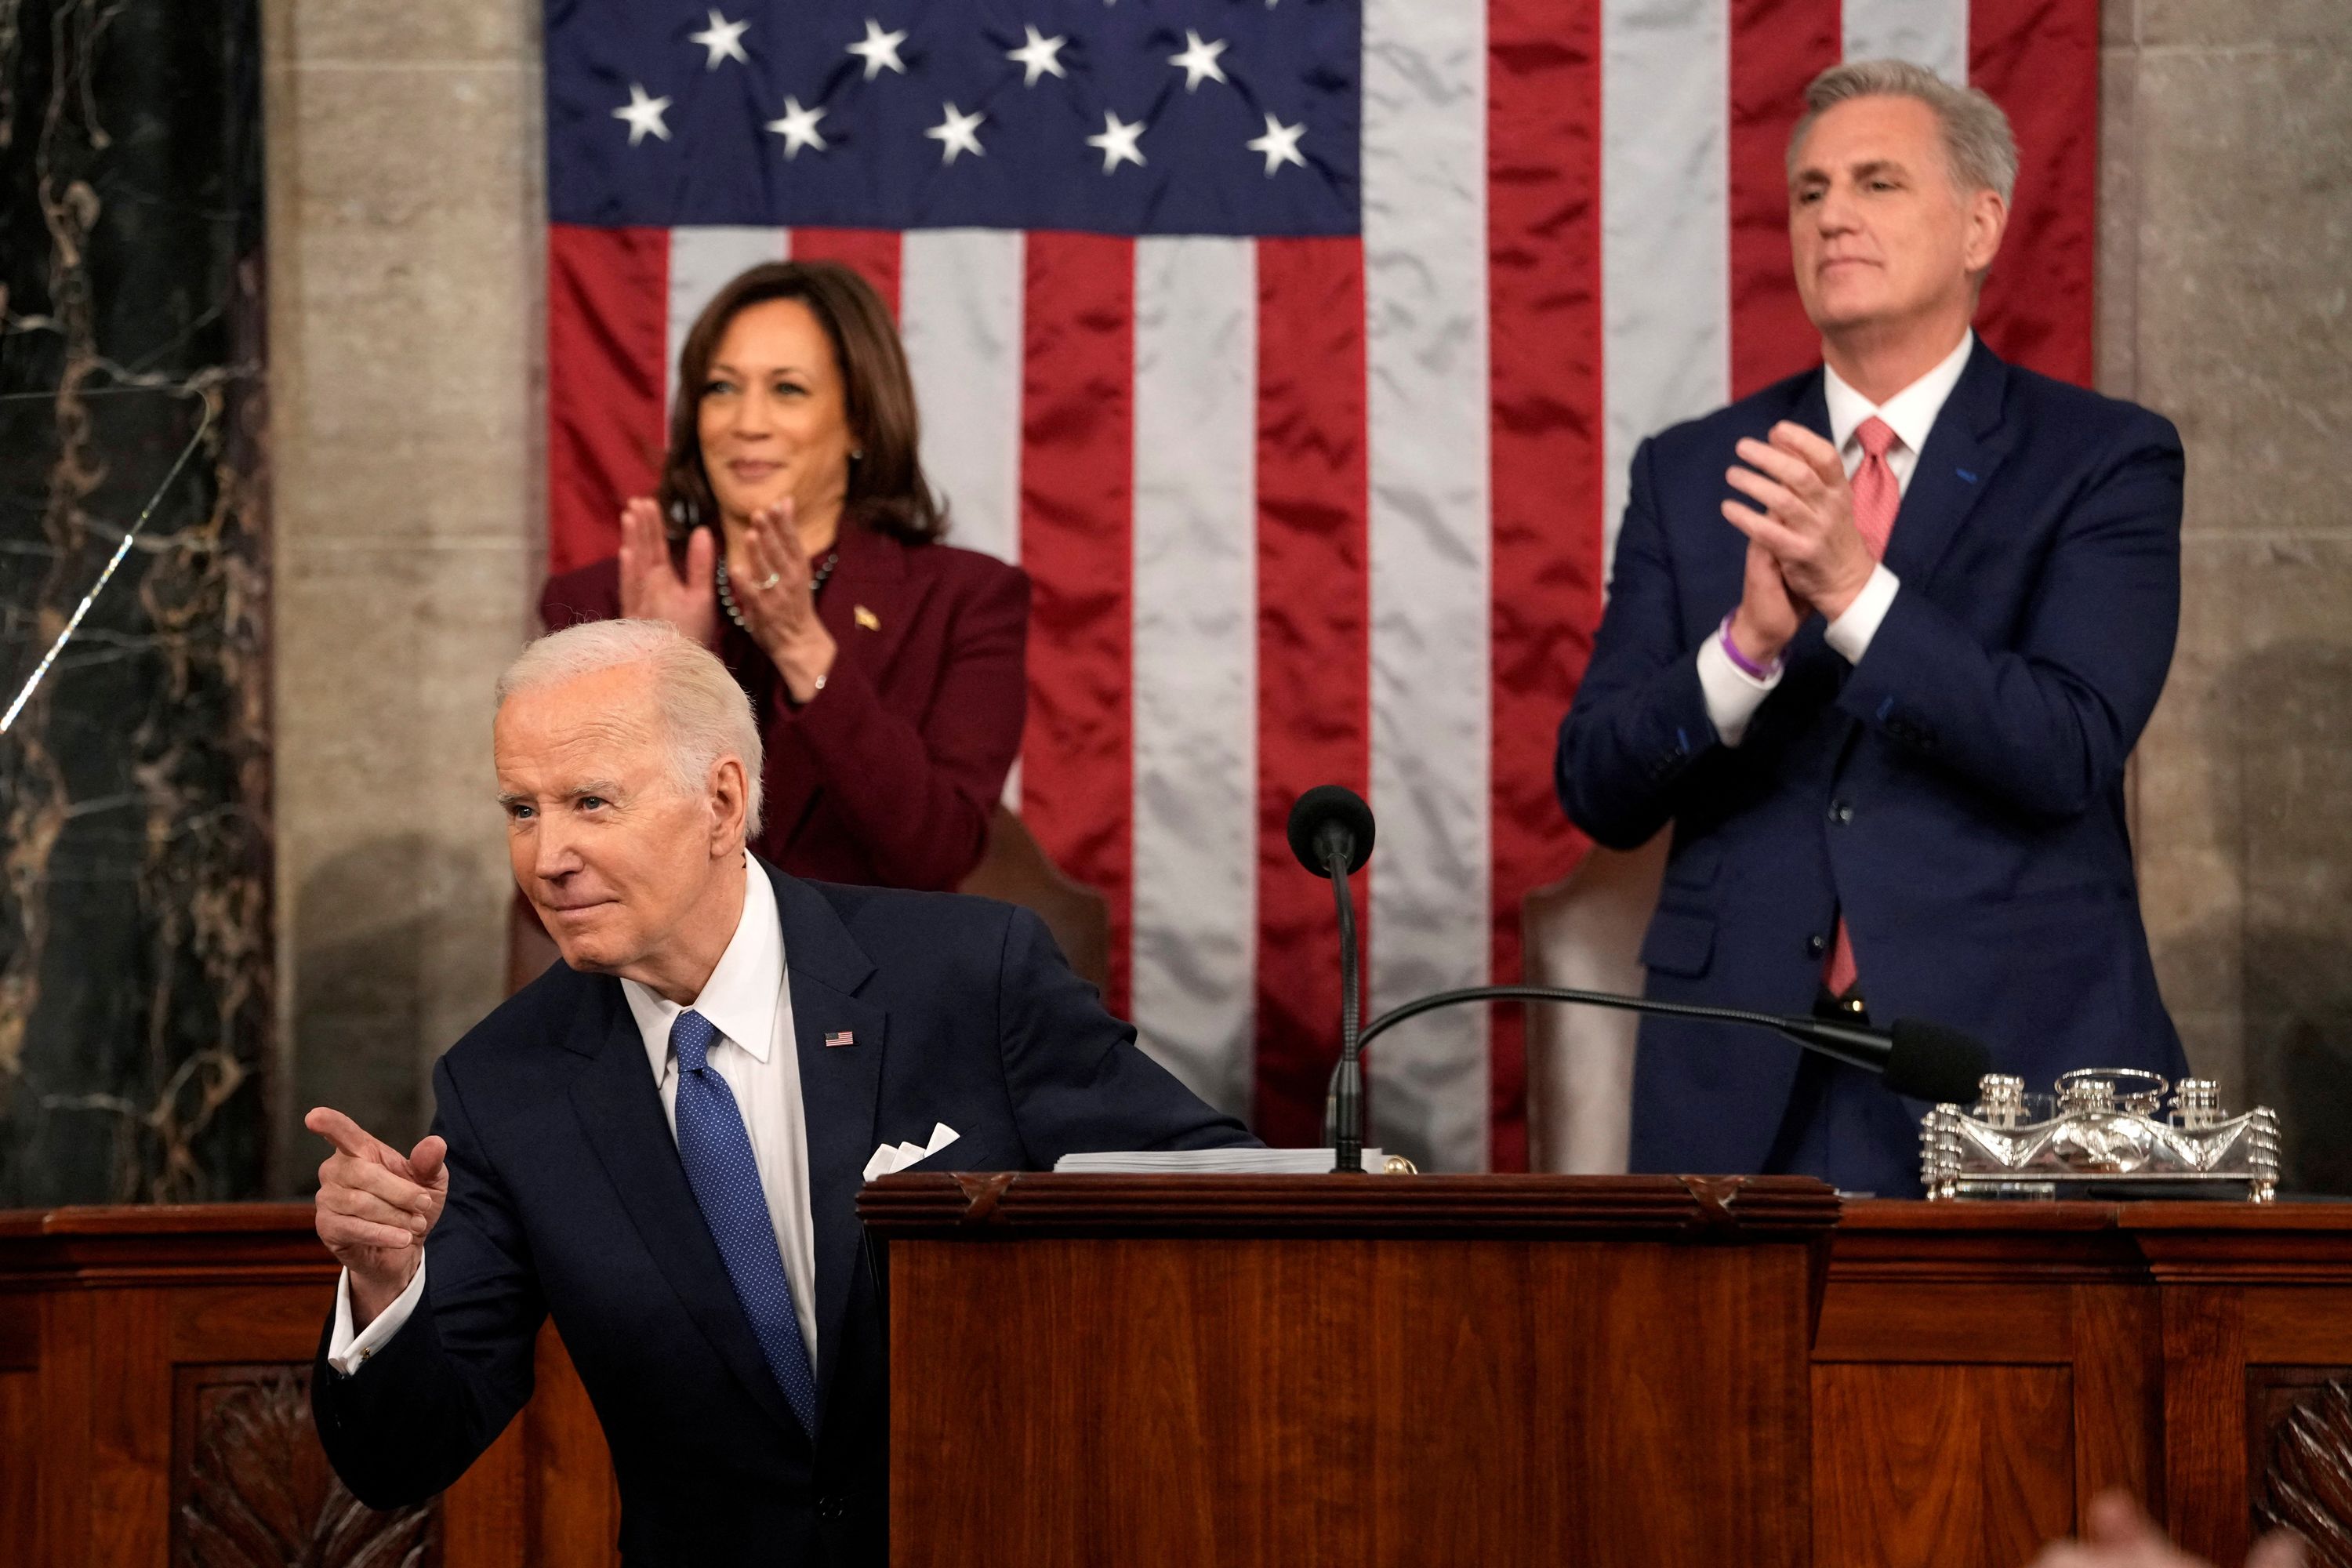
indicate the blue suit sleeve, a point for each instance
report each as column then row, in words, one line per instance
column 1639, row 720
column 2045, row 725
column 1075, row 1079
column 441, row 1389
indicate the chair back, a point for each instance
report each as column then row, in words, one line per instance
column 1584, row 932
column 1015, row 870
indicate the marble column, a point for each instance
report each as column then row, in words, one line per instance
column 135, row 1001
column 2227, row 232
column 405, row 221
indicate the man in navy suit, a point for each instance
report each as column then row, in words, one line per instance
column 659, row 1142
column 1879, row 640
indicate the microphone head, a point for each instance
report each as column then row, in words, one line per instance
column 1931, row 1062
column 1324, row 810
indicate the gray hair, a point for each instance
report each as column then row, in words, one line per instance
column 707, row 714
column 1977, row 138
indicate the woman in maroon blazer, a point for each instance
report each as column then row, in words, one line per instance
column 794, row 533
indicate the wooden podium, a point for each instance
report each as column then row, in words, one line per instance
column 1354, row 1370
column 1413, row 1370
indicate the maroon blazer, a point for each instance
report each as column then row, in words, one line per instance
column 888, row 777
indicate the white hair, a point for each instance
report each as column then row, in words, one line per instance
column 1977, row 138
column 708, row 716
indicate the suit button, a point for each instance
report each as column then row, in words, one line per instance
column 1817, row 945
column 830, row 1506
column 1840, row 812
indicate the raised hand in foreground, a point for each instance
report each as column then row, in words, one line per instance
column 2119, row 1534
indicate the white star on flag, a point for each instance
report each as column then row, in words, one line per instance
column 644, row 115
column 1117, row 142
column 1280, row 145
column 1198, row 59
column 724, row 40
column 879, row 50
column 1040, row 56
column 955, row 133
column 798, row 127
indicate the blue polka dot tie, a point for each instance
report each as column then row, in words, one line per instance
column 717, row 1153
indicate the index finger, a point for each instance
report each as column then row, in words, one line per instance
column 339, row 1129
column 1823, row 458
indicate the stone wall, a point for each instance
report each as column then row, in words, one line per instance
column 2226, row 303
column 405, row 215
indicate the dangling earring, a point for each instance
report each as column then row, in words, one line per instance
column 858, row 454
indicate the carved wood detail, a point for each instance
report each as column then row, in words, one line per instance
column 2306, row 1484
column 252, row 1488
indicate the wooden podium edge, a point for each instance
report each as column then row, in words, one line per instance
column 1015, row 1204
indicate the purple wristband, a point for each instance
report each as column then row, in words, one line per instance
column 1740, row 661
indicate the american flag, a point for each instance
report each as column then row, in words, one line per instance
column 1297, row 349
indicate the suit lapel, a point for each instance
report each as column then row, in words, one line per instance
column 871, row 600
column 840, row 1089
column 620, row 1109
column 1964, row 450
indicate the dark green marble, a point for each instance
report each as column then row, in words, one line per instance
column 135, row 1000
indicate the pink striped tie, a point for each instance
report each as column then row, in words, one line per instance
column 1875, row 497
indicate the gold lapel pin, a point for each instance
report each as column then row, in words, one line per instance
column 867, row 618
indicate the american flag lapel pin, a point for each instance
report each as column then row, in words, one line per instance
column 841, row 1037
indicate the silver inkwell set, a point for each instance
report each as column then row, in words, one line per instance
column 2106, row 1134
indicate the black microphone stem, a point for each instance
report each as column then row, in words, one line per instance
column 1861, row 1047
column 1348, row 1151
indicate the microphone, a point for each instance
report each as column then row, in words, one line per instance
column 1331, row 834
column 1919, row 1060
column 1331, row 820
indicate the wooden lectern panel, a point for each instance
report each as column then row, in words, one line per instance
column 1520, row 1362
column 1936, row 1465
column 1349, row 1370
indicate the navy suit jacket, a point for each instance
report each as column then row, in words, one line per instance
column 567, row 1198
column 1958, row 794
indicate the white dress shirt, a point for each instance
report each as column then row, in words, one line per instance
column 757, row 1052
column 1732, row 694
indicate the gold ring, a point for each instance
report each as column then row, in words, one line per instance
column 771, row 579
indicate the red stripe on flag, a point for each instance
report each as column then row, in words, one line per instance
column 607, row 335
column 1314, row 650
column 873, row 252
column 2040, row 61
column 1077, row 488
column 1543, row 228
column 1776, row 47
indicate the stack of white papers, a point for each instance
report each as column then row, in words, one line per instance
column 1198, row 1161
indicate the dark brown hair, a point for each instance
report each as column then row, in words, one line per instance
column 886, row 489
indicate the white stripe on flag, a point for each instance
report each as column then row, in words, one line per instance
column 1932, row 33
column 960, row 292
column 1425, row 306
column 1195, row 660
column 701, row 262
column 1665, row 237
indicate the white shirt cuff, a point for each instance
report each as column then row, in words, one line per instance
column 1732, row 694
column 1850, row 633
column 348, row 1352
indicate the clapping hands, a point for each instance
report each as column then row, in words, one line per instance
column 773, row 585
column 654, row 588
column 1804, row 553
